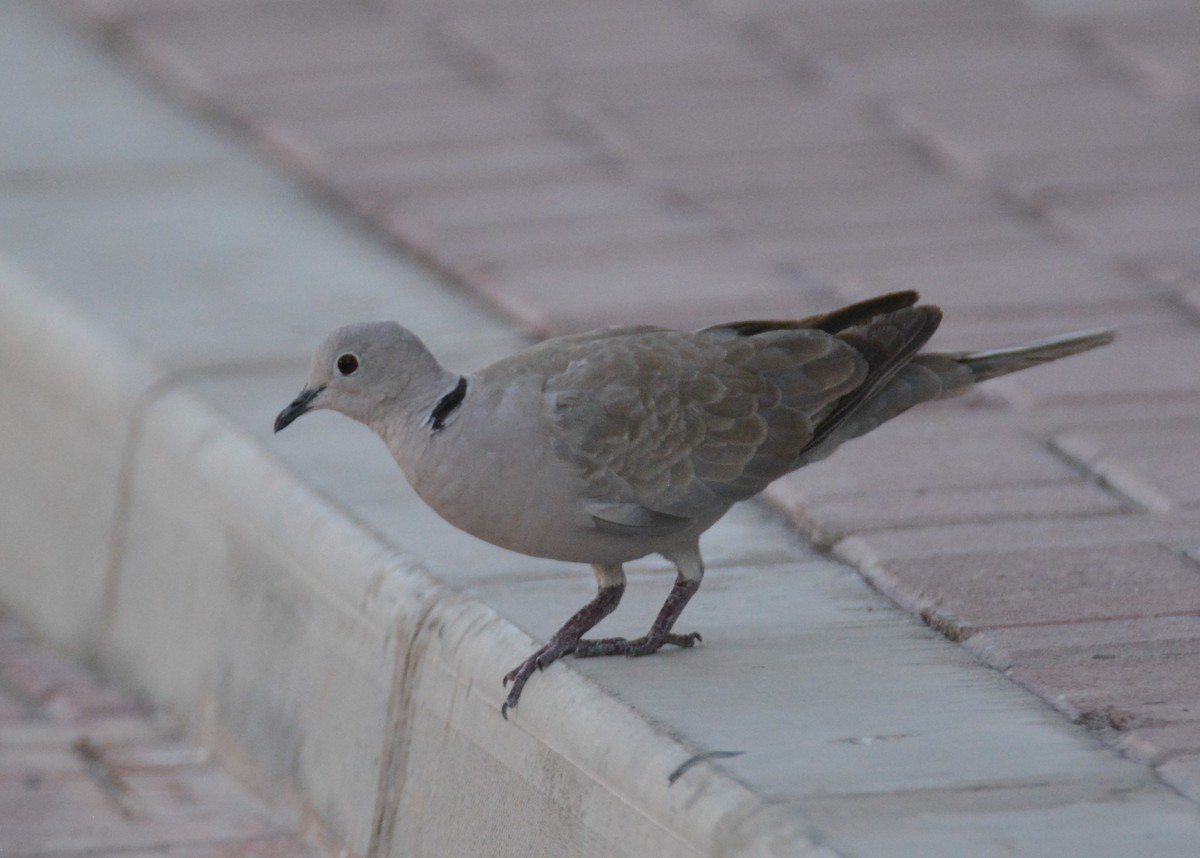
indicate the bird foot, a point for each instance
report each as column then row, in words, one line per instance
column 540, row 660
column 635, row 647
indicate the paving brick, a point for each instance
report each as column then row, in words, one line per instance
column 385, row 174
column 294, row 97
column 1021, row 587
column 933, row 459
column 1002, row 647
column 1119, row 693
column 238, row 42
column 1160, row 452
column 967, row 129
column 915, row 198
column 590, row 38
column 1054, row 280
column 557, row 295
column 1155, row 50
column 1046, row 177
column 831, row 25
column 774, row 119
column 883, row 160
column 833, row 518
column 1131, row 223
column 1154, row 745
column 91, row 773
column 988, row 58
column 64, row 813
column 588, row 236
column 990, row 234
column 548, row 201
column 950, row 540
column 467, row 122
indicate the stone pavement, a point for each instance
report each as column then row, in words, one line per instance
column 85, row 769
column 1030, row 166
column 684, row 163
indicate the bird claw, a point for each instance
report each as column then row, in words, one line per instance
column 636, row 647
column 520, row 674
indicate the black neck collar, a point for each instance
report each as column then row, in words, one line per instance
column 447, row 404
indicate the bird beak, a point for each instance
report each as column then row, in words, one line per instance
column 300, row 405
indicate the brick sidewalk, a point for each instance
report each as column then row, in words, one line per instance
column 83, row 768
column 1029, row 170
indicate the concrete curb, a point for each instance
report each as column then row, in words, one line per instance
column 324, row 666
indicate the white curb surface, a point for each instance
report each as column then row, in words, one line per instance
column 292, row 605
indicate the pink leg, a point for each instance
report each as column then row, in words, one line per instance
column 659, row 634
column 565, row 639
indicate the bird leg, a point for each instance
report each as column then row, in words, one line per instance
column 611, row 586
column 659, row 634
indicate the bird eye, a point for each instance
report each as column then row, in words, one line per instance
column 347, row 364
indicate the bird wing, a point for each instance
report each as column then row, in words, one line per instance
column 666, row 427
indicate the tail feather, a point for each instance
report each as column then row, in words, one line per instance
column 995, row 362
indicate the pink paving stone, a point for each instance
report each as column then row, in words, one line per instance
column 75, row 813
column 899, row 457
column 385, row 173
column 38, row 673
column 566, row 290
column 11, row 707
column 912, row 544
column 244, row 42
column 1002, row 647
column 90, row 702
column 1133, row 222
column 800, row 169
column 1119, row 693
column 902, row 242
column 294, row 98
column 912, row 199
column 992, row 58
column 602, row 91
column 481, row 120
column 1163, row 58
column 592, row 38
column 1163, row 450
column 568, row 237
column 1028, row 586
column 1046, row 177
column 970, row 128
column 1177, row 267
column 1154, row 745
column 833, row 518
column 587, row 194
column 832, row 24
column 785, row 117
column 1055, row 279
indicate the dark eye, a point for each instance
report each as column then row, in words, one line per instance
column 347, row 364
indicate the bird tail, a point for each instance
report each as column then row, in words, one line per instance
column 995, row 362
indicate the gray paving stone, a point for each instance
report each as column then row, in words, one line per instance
column 230, row 275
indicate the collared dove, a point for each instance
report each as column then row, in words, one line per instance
column 608, row 446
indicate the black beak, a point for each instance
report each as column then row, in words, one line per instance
column 300, row 405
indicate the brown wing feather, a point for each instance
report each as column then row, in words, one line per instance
column 887, row 344
column 685, row 424
column 859, row 313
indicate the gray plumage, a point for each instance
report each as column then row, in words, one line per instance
column 607, row 446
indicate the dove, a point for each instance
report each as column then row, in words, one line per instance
column 608, row 446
